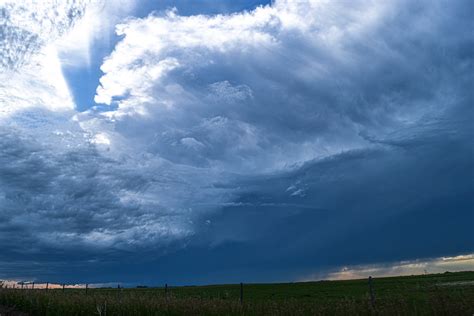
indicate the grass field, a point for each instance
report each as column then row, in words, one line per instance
column 434, row 294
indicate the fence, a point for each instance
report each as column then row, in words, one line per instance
column 26, row 286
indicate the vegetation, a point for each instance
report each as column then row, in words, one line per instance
column 435, row 294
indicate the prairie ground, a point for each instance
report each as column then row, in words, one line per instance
column 434, row 294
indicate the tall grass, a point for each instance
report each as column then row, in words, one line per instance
column 394, row 296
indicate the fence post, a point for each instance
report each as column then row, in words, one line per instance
column 87, row 288
column 372, row 294
column 33, row 286
column 166, row 289
column 241, row 293
column 63, row 286
column 47, row 285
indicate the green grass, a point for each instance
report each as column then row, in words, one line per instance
column 435, row 294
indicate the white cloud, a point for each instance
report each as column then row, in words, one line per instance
column 29, row 25
column 94, row 29
column 39, row 38
column 39, row 84
column 236, row 73
column 52, row 157
column 31, row 75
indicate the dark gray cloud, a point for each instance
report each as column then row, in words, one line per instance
column 268, row 145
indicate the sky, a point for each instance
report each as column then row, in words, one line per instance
column 198, row 142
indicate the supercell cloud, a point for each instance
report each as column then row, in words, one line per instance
column 270, row 144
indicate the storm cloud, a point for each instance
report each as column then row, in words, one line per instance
column 261, row 145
